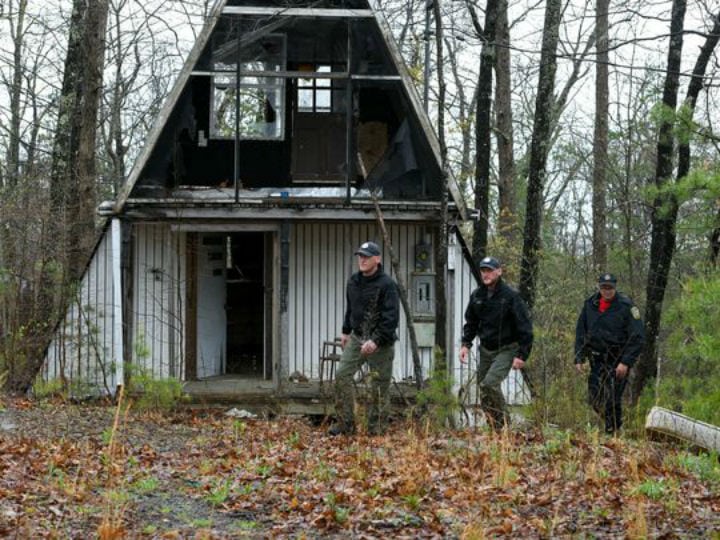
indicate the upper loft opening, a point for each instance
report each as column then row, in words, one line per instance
column 276, row 101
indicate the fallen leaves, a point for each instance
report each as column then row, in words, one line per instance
column 202, row 473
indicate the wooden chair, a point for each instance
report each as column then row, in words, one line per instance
column 329, row 357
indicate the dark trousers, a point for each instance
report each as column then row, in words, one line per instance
column 493, row 368
column 380, row 363
column 605, row 391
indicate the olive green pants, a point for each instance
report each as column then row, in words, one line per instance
column 380, row 364
column 493, row 368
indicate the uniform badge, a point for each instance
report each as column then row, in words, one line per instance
column 635, row 312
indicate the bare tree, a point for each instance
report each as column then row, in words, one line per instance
column 665, row 205
column 540, row 145
column 441, row 245
column 483, row 127
column 507, row 202
column 600, row 143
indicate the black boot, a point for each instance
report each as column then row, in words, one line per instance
column 341, row 428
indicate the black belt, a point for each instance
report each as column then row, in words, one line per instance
column 604, row 355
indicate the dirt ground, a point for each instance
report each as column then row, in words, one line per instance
column 165, row 509
column 79, row 471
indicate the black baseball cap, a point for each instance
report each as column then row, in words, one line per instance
column 607, row 279
column 368, row 249
column 489, row 262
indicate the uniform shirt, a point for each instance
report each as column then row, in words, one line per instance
column 498, row 319
column 617, row 331
column 372, row 307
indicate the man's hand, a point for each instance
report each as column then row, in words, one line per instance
column 344, row 338
column 621, row 371
column 368, row 347
column 464, row 354
column 580, row 368
column 518, row 363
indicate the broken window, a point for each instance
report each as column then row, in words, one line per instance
column 261, row 97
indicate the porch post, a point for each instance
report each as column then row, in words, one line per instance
column 118, row 353
column 282, row 371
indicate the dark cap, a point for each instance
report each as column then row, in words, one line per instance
column 368, row 249
column 489, row 262
column 607, row 279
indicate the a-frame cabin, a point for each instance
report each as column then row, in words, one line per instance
column 223, row 261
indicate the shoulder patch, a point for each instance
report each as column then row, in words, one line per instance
column 635, row 312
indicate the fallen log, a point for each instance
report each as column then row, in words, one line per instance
column 667, row 423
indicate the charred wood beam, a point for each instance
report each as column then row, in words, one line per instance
column 317, row 13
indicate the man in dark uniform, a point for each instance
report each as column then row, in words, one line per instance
column 609, row 331
column 368, row 335
column 499, row 317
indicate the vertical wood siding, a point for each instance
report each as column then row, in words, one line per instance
column 321, row 260
column 82, row 348
column 158, row 303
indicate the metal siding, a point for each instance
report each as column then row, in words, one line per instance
column 321, row 260
column 81, row 349
column 158, row 311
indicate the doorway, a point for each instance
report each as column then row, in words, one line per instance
column 246, row 305
column 234, row 299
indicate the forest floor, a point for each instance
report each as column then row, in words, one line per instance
column 81, row 471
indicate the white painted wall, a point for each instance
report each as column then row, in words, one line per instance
column 158, row 300
column 82, row 347
column 321, row 260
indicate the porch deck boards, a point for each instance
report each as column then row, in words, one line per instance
column 259, row 396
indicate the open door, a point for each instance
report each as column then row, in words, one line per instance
column 247, row 308
column 211, row 320
column 234, row 299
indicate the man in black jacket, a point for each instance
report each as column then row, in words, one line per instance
column 498, row 316
column 609, row 331
column 368, row 335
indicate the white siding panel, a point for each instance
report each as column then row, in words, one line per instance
column 321, row 260
column 158, row 304
column 81, row 350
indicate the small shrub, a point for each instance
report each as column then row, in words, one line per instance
column 652, row 489
column 154, row 394
column 48, row 389
column 704, row 466
column 437, row 399
column 690, row 383
column 219, row 493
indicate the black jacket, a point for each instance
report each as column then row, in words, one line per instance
column 498, row 320
column 372, row 310
column 618, row 332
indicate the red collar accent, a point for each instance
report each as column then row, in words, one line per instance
column 604, row 304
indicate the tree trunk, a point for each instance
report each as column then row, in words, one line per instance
column 715, row 242
column 13, row 155
column 665, row 206
column 483, row 127
column 83, row 205
column 68, row 237
column 600, row 143
column 665, row 423
column 441, row 245
column 540, row 145
column 507, row 220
